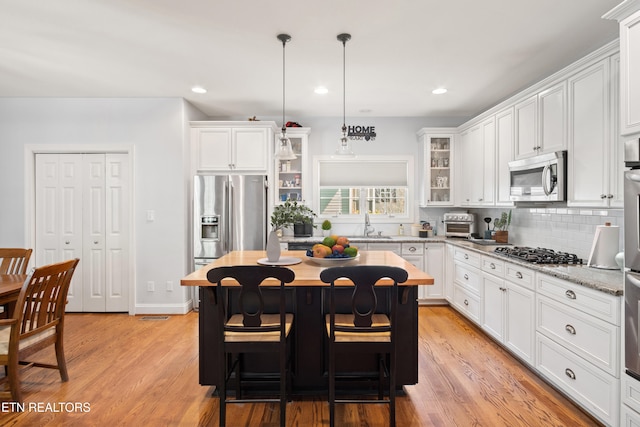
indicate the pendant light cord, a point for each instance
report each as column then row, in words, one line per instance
column 344, row 89
column 284, row 128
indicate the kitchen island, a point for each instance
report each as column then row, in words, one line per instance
column 309, row 303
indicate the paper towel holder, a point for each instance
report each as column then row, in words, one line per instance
column 605, row 247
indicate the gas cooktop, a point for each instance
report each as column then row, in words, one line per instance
column 538, row 255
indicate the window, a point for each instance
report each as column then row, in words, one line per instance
column 352, row 187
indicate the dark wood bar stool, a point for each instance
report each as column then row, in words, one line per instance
column 364, row 329
column 252, row 330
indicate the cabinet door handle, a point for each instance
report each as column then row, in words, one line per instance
column 466, row 256
column 568, row 372
column 610, row 196
column 570, row 329
column 466, row 302
column 502, row 289
column 492, row 266
column 570, row 294
column 466, row 276
column 518, row 275
column 603, row 196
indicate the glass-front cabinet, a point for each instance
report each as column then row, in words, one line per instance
column 437, row 165
column 291, row 175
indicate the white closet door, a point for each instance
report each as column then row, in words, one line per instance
column 93, row 228
column 117, row 231
column 59, row 215
column 82, row 210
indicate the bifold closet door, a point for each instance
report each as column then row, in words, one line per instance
column 82, row 211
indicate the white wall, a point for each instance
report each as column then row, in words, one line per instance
column 157, row 130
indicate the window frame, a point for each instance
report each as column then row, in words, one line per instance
column 410, row 190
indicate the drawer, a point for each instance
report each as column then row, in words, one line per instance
column 412, row 248
column 492, row 266
column 393, row 247
column 468, row 277
column 593, row 339
column 468, row 257
column 596, row 391
column 520, row 276
column 467, row 303
column 631, row 392
column 602, row 305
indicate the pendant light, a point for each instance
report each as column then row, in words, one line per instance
column 344, row 149
column 283, row 148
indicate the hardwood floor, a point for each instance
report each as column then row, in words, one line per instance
column 133, row 372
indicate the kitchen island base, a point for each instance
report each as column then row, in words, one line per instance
column 309, row 364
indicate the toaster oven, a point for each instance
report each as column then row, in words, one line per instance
column 459, row 224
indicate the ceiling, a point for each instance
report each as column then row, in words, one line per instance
column 482, row 51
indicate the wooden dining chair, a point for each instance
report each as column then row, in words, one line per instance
column 38, row 322
column 366, row 328
column 253, row 329
column 14, row 260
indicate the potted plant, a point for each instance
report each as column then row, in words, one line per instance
column 502, row 225
column 282, row 216
column 302, row 218
column 326, row 228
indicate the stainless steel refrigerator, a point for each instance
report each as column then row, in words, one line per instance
column 229, row 213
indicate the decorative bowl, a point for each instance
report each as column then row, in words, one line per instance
column 332, row 261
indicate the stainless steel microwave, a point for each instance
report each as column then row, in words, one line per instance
column 541, row 178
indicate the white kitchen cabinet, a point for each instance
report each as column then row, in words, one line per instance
column 541, row 122
column 594, row 167
column 477, row 166
column 449, row 278
column 578, row 344
column 438, row 160
column 508, row 309
column 630, row 73
column 467, row 284
column 526, row 127
column 631, row 398
column 232, row 146
column 291, row 176
column 434, row 265
column 504, row 150
column 592, row 388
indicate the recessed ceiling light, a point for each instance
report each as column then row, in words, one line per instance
column 439, row 91
column 198, row 89
column 321, row 90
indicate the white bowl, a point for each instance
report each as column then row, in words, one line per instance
column 332, row 261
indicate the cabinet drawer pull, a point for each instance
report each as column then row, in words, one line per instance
column 568, row 372
column 570, row 294
column 570, row 329
column 466, row 302
column 412, row 249
column 493, row 266
column 502, row 289
column 67, row 242
column 466, row 276
column 466, row 256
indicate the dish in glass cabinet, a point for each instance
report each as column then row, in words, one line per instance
column 332, row 261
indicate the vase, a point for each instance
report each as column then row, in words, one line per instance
column 326, row 233
column 273, row 246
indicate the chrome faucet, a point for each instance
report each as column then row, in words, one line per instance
column 367, row 225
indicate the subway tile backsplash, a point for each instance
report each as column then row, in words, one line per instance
column 561, row 229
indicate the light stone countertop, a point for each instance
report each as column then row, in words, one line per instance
column 608, row 281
